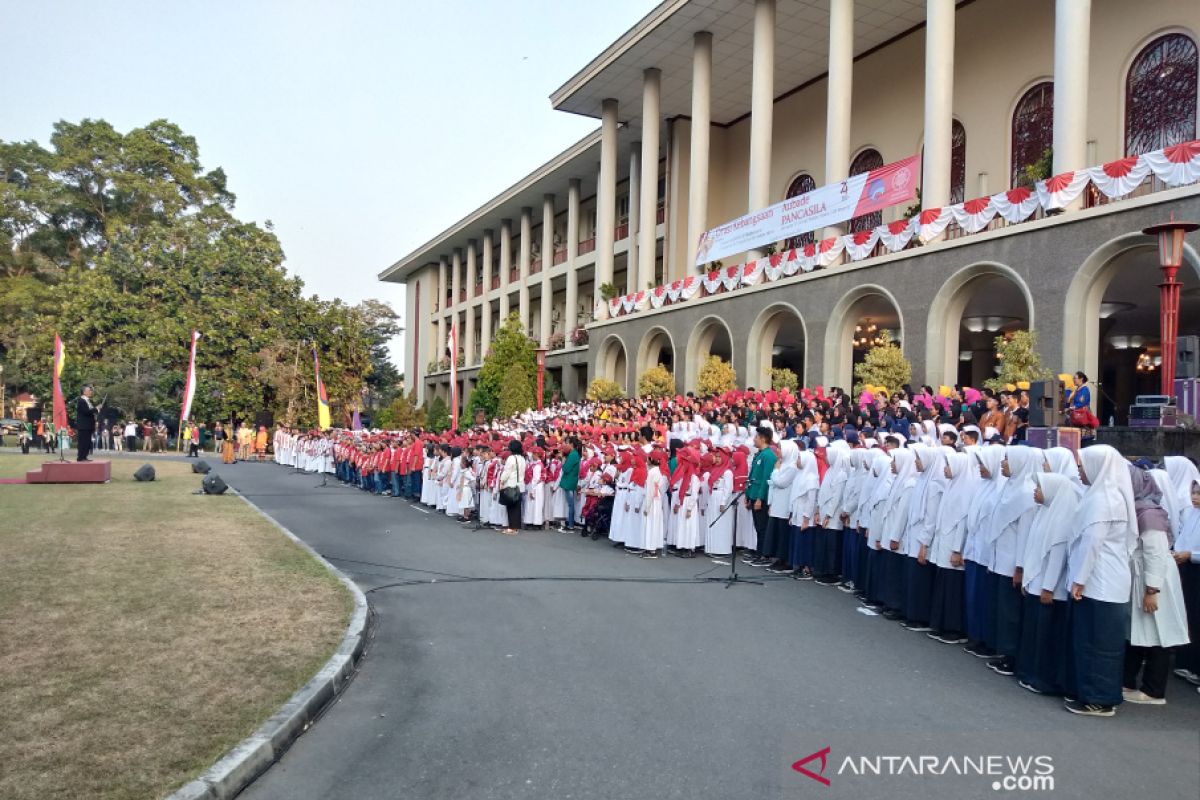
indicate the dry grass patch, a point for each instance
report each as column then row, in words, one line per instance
column 145, row 630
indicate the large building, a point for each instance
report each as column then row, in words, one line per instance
column 711, row 109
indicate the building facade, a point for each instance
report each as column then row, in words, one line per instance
column 710, row 109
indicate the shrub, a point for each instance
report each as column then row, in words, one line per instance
column 579, row 337
column 783, row 378
column 1019, row 360
column 509, row 346
column 516, row 394
column 437, row 418
column 602, row 390
column 656, row 382
column 884, row 365
column 557, row 341
column 717, row 376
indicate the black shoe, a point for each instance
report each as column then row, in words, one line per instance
column 979, row 650
column 1002, row 666
column 891, row 616
column 595, row 536
column 633, row 551
column 583, row 534
column 650, row 554
column 915, row 627
column 947, row 638
column 779, row 568
column 1089, row 709
column 1029, row 687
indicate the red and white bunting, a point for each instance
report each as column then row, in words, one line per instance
column 1119, row 178
column 860, row 243
column 1176, row 165
column 896, row 235
column 974, row 215
column 828, row 250
column 932, row 223
column 1015, row 205
column 753, row 271
column 1060, row 191
column 690, row 286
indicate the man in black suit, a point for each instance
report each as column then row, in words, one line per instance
column 85, row 423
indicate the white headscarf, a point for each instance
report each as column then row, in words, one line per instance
column 1182, row 472
column 1062, row 462
column 985, row 499
column 1016, row 496
column 1109, row 496
column 1053, row 523
column 956, row 500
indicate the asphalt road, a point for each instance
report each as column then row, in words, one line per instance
column 588, row 673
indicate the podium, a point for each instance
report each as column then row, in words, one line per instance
column 71, row 472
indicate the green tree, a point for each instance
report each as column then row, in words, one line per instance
column 603, row 390
column 517, row 393
column 437, row 418
column 884, row 365
column 123, row 243
column 783, row 378
column 717, row 376
column 509, row 346
column 402, row 414
column 1019, row 360
column 656, row 382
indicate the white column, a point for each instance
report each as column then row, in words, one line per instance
column 837, row 106
column 762, row 102
column 485, row 267
column 939, row 103
column 440, row 345
column 456, row 277
column 701, row 122
column 469, row 333
column 606, row 196
column 635, row 220
column 547, row 306
column 485, row 328
column 1072, row 37
column 571, row 313
column 505, row 266
column 648, row 213
column 526, row 246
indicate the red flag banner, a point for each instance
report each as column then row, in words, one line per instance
column 60, row 402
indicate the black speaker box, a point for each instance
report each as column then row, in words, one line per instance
column 212, row 484
column 201, row 467
column 1045, row 404
column 144, row 473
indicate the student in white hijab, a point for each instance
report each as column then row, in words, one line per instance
column 803, row 517
column 1103, row 539
column 776, row 543
column 827, row 562
column 878, row 491
column 922, row 523
column 977, row 552
column 852, row 550
column 1008, row 529
column 895, row 530
column 1041, row 659
column 1186, row 553
column 946, row 617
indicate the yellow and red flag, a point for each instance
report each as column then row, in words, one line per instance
column 322, row 397
column 60, row 402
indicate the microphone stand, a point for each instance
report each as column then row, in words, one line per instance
column 733, row 579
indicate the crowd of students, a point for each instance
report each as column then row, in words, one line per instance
column 1077, row 573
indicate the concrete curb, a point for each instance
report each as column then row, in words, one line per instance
column 251, row 757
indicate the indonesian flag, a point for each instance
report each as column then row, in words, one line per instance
column 60, row 403
column 322, row 397
column 189, row 389
column 452, row 346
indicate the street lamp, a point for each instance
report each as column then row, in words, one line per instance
column 541, row 375
column 1170, row 256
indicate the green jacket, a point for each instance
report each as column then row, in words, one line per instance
column 569, row 479
column 758, row 484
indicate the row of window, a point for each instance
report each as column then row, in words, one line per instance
column 1161, row 92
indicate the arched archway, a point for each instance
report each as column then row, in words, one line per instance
column 1161, row 94
column 778, row 338
column 973, row 306
column 1032, row 128
column 710, row 337
column 1111, row 320
column 870, row 309
column 613, row 363
column 657, row 347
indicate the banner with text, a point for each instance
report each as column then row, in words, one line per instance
column 829, row 205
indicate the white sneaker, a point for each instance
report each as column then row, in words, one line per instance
column 1140, row 697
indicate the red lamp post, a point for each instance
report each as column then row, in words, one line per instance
column 1170, row 256
column 541, row 375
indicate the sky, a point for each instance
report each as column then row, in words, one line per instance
column 360, row 128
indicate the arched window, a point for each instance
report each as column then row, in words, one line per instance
column 958, row 163
column 866, row 161
column 802, row 184
column 1032, row 128
column 1160, row 95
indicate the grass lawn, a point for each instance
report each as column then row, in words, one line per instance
column 144, row 630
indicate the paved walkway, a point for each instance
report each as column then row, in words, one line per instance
column 636, row 681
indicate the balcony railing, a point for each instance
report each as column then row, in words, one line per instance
column 560, row 256
column 462, row 295
column 621, row 231
column 478, row 287
column 495, row 281
column 535, row 266
column 587, row 245
column 514, row 275
column 660, row 215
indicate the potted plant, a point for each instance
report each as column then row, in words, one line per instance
column 579, row 337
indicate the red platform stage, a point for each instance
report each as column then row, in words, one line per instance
column 71, row 472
